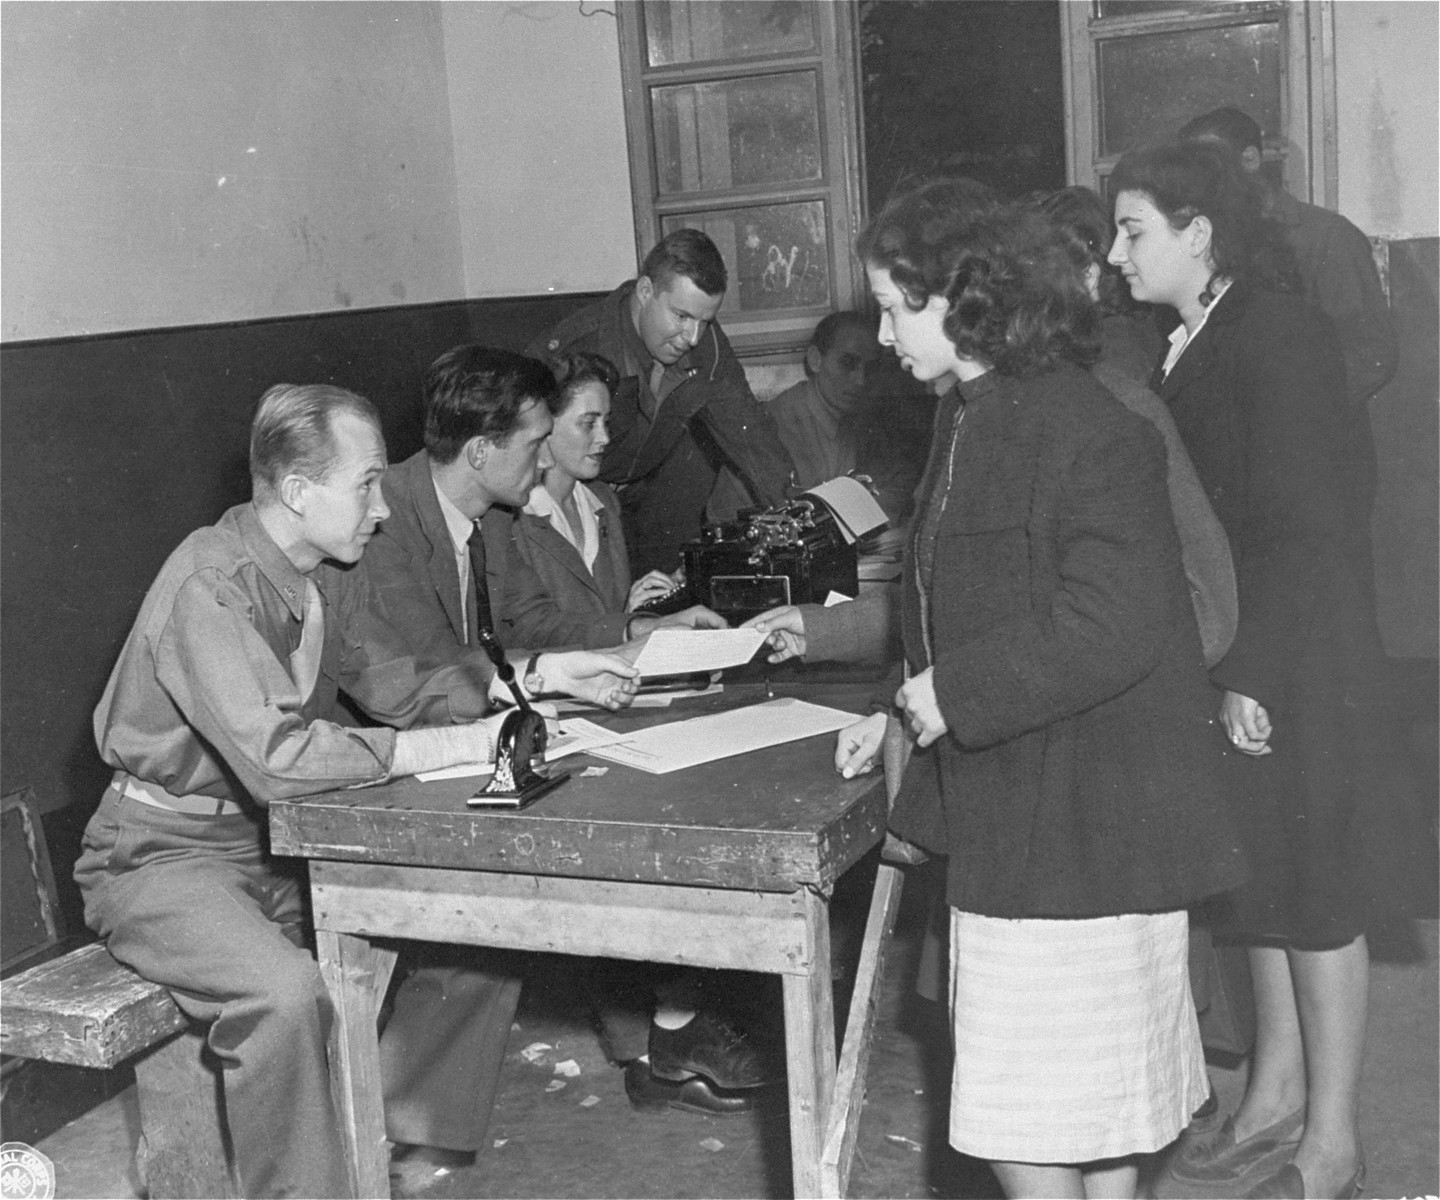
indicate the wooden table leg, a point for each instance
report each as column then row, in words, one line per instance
column 844, row 1121
column 357, row 975
column 810, row 1051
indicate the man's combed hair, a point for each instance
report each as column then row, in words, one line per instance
column 478, row 391
column 572, row 371
column 690, row 253
column 1185, row 180
column 292, row 432
column 1236, row 129
column 1016, row 298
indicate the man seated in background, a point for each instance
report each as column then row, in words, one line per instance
column 225, row 698
column 683, row 408
column 833, row 422
column 487, row 414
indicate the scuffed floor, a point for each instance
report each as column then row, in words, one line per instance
column 564, row 1128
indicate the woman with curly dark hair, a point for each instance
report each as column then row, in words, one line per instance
column 1054, row 682
column 1255, row 381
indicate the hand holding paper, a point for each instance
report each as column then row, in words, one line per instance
column 684, row 651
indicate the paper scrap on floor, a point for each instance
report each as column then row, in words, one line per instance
column 573, row 736
column 685, row 651
column 665, row 748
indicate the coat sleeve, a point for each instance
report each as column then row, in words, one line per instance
column 1348, row 290
column 1107, row 620
column 382, row 674
column 1291, row 532
column 1204, row 547
column 743, row 430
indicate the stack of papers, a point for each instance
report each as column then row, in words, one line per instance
column 665, row 748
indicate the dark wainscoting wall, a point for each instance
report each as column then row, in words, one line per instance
column 115, row 447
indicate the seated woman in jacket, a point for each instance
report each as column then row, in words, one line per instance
column 569, row 531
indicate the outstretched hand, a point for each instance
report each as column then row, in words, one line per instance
column 600, row 677
column 784, row 628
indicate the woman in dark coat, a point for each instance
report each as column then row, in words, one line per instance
column 1057, row 692
column 1255, row 381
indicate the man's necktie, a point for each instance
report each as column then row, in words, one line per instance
column 479, row 611
column 305, row 659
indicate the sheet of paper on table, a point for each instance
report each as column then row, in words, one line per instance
column 665, row 748
column 685, row 651
column 574, row 735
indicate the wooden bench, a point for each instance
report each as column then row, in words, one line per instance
column 87, row 1010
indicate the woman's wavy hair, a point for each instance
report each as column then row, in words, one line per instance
column 572, row 371
column 1185, row 180
column 1017, row 300
column 1086, row 229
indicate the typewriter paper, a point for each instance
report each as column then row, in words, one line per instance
column 683, row 651
column 665, row 748
column 854, row 507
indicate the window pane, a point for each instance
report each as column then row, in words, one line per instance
column 682, row 31
column 736, row 133
column 777, row 254
column 1151, row 85
column 1135, row 8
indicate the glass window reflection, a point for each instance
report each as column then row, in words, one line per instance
column 736, row 133
column 682, row 31
column 777, row 254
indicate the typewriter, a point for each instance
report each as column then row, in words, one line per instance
column 795, row 553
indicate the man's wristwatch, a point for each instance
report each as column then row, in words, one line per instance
column 532, row 680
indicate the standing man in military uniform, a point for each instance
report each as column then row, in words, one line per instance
column 683, row 408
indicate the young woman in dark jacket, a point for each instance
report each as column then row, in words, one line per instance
column 1056, row 688
column 1256, row 384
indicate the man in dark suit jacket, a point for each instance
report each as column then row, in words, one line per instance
column 684, row 407
column 438, row 581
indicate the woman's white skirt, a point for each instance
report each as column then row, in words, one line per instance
column 1074, row 1040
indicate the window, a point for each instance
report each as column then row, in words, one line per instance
column 743, row 121
column 1137, row 70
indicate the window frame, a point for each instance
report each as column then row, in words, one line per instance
column 1305, row 145
column 778, row 334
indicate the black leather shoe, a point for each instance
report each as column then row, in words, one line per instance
column 706, row 1046
column 416, row 1154
column 695, row 1094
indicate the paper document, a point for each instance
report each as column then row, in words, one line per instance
column 664, row 748
column 682, row 651
column 857, row 511
column 573, row 736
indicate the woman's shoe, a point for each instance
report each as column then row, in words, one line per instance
column 1289, row 1184
column 1224, row 1163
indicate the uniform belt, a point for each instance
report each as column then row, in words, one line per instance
column 158, row 797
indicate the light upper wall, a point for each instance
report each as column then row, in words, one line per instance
column 187, row 163
column 193, row 162
column 1387, row 85
column 540, row 158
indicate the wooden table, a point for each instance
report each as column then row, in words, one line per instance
column 725, row 865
